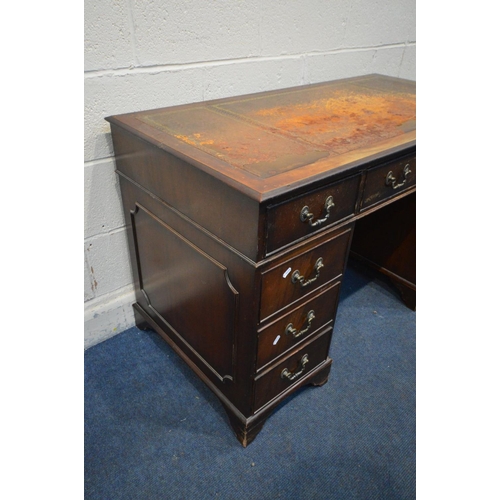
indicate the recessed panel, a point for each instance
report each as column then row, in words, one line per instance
column 188, row 290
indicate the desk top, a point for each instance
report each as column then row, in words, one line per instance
column 265, row 143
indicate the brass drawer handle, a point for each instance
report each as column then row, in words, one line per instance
column 297, row 278
column 293, row 331
column 286, row 373
column 390, row 180
column 306, row 216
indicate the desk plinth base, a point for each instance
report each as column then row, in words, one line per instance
column 246, row 429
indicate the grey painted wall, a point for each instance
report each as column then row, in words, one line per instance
column 141, row 55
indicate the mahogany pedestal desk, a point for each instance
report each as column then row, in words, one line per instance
column 243, row 212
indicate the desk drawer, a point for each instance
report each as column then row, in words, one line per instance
column 389, row 180
column 309, row 213
column 299, row 276
column 292, row 370
column 297, row 326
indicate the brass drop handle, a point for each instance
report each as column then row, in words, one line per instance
column 298, row 278
column 307, row 216
column 390, row 180
column 286, row 373
column 293, row 331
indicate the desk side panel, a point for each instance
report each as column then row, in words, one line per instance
column 200, row 294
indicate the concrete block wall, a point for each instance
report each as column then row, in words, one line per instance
column 142, row 55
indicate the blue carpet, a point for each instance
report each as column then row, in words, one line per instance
column 154, row 431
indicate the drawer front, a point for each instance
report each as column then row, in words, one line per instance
column 292, row 370
column 301, row 275
column 307, row 214
column 297, row 326
column 389, row 180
